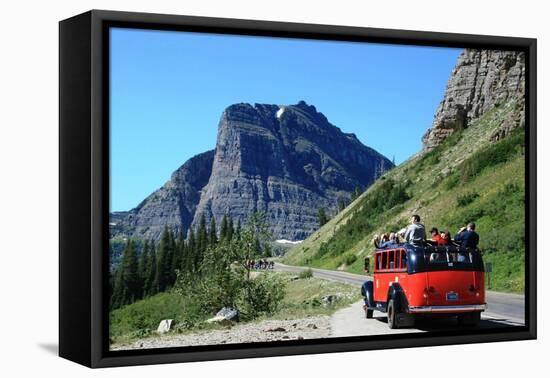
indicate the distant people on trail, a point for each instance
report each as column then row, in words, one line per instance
column 415, row 232
column 467, row 236
column 393, row 241
column 260, row 264
column 437, row 237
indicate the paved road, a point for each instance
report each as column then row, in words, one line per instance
column 503, row 310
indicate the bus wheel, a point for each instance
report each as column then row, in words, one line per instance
column 392, row 319
column 368, row 312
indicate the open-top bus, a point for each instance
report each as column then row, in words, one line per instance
column 418, row 280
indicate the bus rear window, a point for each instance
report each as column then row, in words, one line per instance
column 436, row 258
column 448, row 258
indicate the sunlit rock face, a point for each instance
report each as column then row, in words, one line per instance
column 480, row 81
column 285, row 160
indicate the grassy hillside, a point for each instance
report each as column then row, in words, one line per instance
column 467, row 178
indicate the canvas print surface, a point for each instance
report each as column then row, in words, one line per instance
column 268, row 189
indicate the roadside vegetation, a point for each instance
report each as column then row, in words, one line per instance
column 191, row 281
column 303, row 297
column 466, row 178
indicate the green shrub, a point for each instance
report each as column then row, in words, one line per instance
column 323, row 250
column 261, row 296
column 452, row 181
column 308, row 273
column 466, row 199
column 349, row 258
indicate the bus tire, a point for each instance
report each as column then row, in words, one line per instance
column 392, row 318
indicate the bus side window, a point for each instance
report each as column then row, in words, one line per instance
column 391, row 259
column 398, row 254
column 384, row 260
column 403, row 259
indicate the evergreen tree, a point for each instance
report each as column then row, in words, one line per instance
column 212, row 233
column 191, row 250
column 322, row 216
column 202, row 239
column 172, row 256
column 342, row 203
column 150, row 271
column 230, row 229
column 143, row 260
column 127, row 281
column 267, row 252
column 164, row 261
column 356, row 193
column 177, row 260
column 257, row 247
column 117, row 293
column 238, row 230
column 379, row 170
column 224, row 230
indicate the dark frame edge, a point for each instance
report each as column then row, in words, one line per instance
column 531, row 180
column 161, row 21
column 75, row 327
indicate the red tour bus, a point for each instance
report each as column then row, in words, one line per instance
column 411, row 280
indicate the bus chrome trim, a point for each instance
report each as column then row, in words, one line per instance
column 458, row 308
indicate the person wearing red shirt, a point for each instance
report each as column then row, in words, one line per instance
column 445, row 237
column 436, row 237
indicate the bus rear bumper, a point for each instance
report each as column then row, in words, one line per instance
column 446, row 309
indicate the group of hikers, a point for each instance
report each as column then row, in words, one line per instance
column 260, row 264
column 415, row 233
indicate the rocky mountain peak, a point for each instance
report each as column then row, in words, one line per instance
column 285, row 160
column 480, row 81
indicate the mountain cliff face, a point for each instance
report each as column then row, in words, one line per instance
column 480, row 81
column 287, row 161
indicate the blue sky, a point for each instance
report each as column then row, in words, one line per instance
column 168, row 90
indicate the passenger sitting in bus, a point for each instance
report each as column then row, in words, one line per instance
column 462, row 257
column 436, row 237
column 392, row 242
column 376, row 241
column 445, row 237
column 437, row 257
column 416, row 232
column 467, row 236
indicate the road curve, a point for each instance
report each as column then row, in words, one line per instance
column 502, row 307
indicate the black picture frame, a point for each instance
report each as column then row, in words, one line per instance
column 84, row 187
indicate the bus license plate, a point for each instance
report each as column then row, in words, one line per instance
column 452, row 296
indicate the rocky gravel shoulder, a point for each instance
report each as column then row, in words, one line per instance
column 263, row 331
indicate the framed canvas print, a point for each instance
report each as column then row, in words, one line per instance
column 234, row 188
